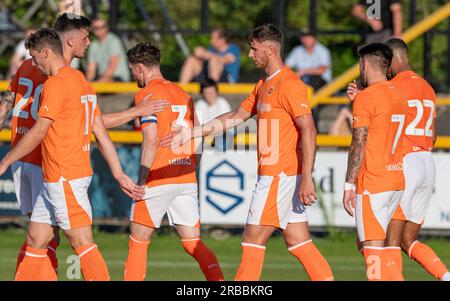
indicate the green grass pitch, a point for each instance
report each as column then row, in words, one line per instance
column 168, row 261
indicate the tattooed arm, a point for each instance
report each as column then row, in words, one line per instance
column 356, row 153
column 356, row 156
column 6, row 104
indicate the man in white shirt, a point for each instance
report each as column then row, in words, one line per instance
column 312, row 62
column 209, row 107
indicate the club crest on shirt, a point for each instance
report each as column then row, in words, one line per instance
column 270, row 91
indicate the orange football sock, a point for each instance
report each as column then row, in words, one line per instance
column 251, row 262
column 394, row 262
column 52, row 246
column 313, row 261
column 205, row 257
column 136, row 264
column 35, row 266
column 427, row 258
column 376, row 265
column 92, row 264
column 21, row 255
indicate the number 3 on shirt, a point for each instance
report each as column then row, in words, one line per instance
column 86, row 99
column 18, row 108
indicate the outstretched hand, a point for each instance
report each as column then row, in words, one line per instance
column 178, row 137
column 150, row 107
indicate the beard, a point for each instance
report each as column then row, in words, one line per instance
column 140, row 84
column 363, row 81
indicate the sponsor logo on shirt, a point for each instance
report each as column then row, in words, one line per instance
column 180, row 161
column 394, row 167
column 264, row 107
column 22, row 130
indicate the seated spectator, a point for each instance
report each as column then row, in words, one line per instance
column 107, row 61
column 382, row 28
column 20, row 55
column 220, row 62
column 312, row 62
column 342, row 126
column 211, row 106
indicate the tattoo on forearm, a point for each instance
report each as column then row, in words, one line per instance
column 356, row 153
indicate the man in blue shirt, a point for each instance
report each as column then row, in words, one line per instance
column 220, row 62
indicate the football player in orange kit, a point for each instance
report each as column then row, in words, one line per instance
column 418, row 164
column 67, row 116
column 23, row 94
column 286, row 154
column 171, row 184
column 374, row 182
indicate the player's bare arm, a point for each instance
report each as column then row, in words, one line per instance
column 397, row 19
column 109, row 153
column 308, row 148
column 27, row 144
column 355, row 158
column 218, row 125
column 148, row 151
column 146, row 107
column 6, row 105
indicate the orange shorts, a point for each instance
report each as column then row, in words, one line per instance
column 275, row 202
column 178, row 201
column 64, row 204
column 373, row 213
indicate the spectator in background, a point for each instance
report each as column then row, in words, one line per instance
column 220, row 62
column 70, row 7
column 387, row 25
column 211, row 106
column 312, row 62
column 106, row 58
column 20, row 54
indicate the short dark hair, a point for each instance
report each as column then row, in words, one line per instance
column 208, row 82
column 67, row 22
column 45, row 38
column 380, row 52
column 144, row 53
column 266, row 32
column 397, row 44
column 222, row 32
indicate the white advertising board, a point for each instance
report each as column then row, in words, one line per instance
column 227, row 181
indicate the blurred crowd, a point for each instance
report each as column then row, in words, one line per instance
column 220, row 62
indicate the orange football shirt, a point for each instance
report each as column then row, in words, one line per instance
column 277, row 101
column 27, row 84
column 421, row 116
column 170, row 166
column 382, row 109
column 70, row 101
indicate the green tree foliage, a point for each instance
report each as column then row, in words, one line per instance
column 240, row 17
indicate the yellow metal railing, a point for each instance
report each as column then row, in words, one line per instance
column 135, row 137
column 410, row 35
